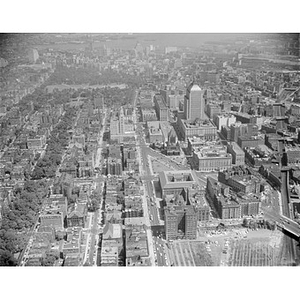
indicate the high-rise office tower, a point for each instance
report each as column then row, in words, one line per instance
column 33, row 55
column 194, row 103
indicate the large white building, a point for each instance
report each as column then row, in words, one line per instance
column 224, row 120
column 211, row 157
column 33, row 55
column 204, row 129
column 194, row 103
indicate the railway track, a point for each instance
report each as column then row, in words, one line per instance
column 287, row 252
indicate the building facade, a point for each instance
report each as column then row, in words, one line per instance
column 176, row 182
column 180, row 221
column 238, row 155
column 211, row 157
column 161, row 108
column 194, row 103
column 203, row 129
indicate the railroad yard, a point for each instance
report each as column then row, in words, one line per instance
column 236, row 247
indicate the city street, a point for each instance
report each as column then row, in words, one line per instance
column 152, row 209
column 159, row 250
column 147, row 179
column 281, row 220
column 94, row 239
column 144, row 198
column 100, row 140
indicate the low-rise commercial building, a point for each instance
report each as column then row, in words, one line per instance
column 196, row 198
column 52, row 218
column 37, row 143
column 240, row 179
column 133, row 207
column 204, row 129
column 136, row 243
column 226, row 206
column 211, row 157
column 224, row 120
column 155, row 135
column 109, row 256
column 213, row 110
column 77, row 215
column 177, row 182
column 72, row 245
column 253, row 141
column 258, row 156
column 293, row 153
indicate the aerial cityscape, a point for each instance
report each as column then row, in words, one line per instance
column 157, row 149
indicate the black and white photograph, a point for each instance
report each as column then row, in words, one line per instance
column 140, row 150
column 159, row 149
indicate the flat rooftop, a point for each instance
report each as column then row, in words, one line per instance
column 212, row 150
column 245, row 179
column 173, row 179
column 197, row 123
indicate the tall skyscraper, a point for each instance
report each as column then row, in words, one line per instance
column 33, row 55
column 194, row 103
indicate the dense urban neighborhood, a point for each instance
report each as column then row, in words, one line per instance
column 120, row 150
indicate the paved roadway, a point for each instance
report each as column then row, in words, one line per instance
column 162, row 158
column 287, row 101
column 100, row 139
column 24, row 255
column 144, row 199
column 150, row 192
column 288, row 224
column 287, row 254
column 282, row 221
column 159, row 250
column 146, row 174
column 147, row 177
column 285, row 193
column 94, row 239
